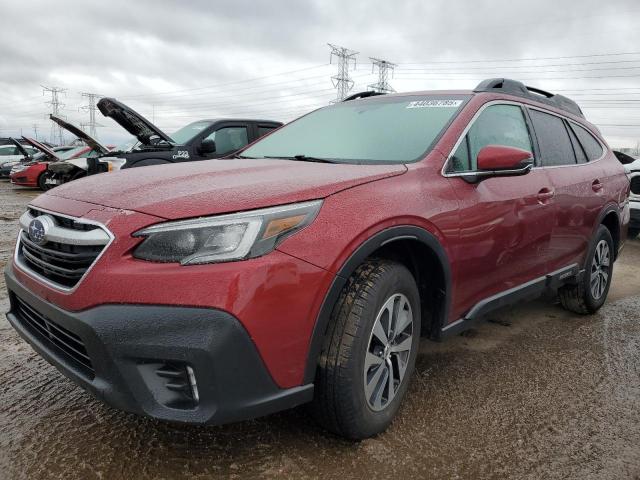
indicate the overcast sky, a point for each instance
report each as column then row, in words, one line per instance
column 177, row 62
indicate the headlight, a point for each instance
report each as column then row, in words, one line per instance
column 18, row 168
column 226, row 237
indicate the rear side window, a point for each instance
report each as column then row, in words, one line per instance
column 553, row 139
column 581, row 157
column 497, row 125
column 591, row 146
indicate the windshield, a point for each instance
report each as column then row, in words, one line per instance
column 381, row 130
column 187, row 132
column 71, row 153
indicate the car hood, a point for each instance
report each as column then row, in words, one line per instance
column 134, row 123
column 42, row 147
column 219, row 186
column 85, row 137
column 23, row 152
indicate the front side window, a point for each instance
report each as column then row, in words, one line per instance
column 229, row 139
column 553, row 139
column 393, row 129
column 503, row 125
column 591, row 146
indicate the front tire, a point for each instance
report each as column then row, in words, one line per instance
column 591, row 292
column 369, row 352
column 633, row 233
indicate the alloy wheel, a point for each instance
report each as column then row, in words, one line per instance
column 388, row 352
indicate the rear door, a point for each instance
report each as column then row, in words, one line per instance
column 576, row 176
column 505, row 222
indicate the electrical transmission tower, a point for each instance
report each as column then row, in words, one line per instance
column 91, row 108
column 56, row 130
column 35, row 130
column 342, row 82
column 384, row 67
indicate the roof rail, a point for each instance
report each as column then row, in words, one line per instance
column 370, row 93
column 519, row 89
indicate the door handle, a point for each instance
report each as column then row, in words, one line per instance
column 545, row 195
column 597, row 185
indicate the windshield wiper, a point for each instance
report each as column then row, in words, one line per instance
column 304, row 158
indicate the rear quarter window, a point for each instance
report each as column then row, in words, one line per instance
column 591, row 146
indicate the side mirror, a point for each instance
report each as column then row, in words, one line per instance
column 208, row 146
column 500, row 161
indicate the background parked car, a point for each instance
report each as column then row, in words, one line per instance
column 12, row 154
column 201, row 140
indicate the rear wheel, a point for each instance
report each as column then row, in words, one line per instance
column 588, row 295
column 633, row 233
column 369, row 352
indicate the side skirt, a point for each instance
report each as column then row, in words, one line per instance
column 525, row 292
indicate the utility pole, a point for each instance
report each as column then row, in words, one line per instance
column 342, row 82
column 35, row 130
column 384, row 67
column 56, row 130
column 91, row 108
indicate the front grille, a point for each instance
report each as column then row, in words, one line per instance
column 67, row 256
column 64, row 222
column 635, row 185
column 59, row 339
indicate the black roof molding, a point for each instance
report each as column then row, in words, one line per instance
column 519, row 89
column 370, row 93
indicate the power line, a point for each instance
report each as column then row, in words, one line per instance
column 91, row 108
column 342, row 82
column 56, row 130
column 384, row 67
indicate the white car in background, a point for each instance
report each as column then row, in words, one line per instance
column 15, row 152
column 632, row 167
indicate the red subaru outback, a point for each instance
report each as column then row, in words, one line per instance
column 307, row 268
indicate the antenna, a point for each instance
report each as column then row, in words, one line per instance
column 342, row 82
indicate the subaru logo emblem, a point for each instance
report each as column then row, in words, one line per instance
column 38, row 229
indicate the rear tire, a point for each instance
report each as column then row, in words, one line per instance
column 362, row 379
column 591, row 292
column 633, row 233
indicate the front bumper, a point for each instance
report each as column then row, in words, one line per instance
column 134, row 352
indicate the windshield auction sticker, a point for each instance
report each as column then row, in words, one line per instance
column 435, row 104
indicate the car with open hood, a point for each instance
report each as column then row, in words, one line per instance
column 200, row 140
column 32, row 171
column 309, row 267
column 13, row 153
column 74, row 167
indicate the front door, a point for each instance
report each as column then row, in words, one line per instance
column 505, row 222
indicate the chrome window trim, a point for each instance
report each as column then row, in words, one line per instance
column 604, row 149
column 525, row 105
column 27, row 271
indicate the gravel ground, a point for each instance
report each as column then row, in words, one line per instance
column 534, row 393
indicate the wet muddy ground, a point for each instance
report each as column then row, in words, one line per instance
column 535, row 393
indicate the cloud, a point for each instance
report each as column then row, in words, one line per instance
column 181, row 61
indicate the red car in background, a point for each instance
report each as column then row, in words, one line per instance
column 33, row 174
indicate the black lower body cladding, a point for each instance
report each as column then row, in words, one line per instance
column 182, row 364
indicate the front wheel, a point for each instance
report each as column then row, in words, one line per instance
column 590, row 293
column 369, row 352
